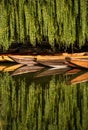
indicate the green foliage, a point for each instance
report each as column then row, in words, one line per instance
column 36, row 104
column 64, row 21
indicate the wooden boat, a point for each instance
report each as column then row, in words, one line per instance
column 83, row 63
column 6, row 57
column 83, row 77
column 21, row 60
column 61, row 56
column 26, row 69
column 53, row 63
column 52, row 71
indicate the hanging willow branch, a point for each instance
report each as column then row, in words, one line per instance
column 64, row 21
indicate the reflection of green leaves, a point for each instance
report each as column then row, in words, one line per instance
column 51, row 105
column 63, row 20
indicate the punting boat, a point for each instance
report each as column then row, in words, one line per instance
column 83, row 77
column 61, row 56
column 26, row 69
column 78, row 62
column 23, row 60
column 7, row 57
column 53, row 63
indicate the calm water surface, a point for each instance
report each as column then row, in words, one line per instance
column 39, row 101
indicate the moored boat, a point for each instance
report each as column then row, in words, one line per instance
column 83, row 63
column 7, row 57
column 23, row 60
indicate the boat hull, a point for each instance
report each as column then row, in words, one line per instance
column 25, row 61
column 78, row 62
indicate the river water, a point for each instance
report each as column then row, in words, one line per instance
column 45, row 100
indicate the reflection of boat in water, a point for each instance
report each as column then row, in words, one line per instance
column 73, row 71
column 52, row 71
column 9, row 67
column 78, row 62
column 23, row 60
column 83, row 77
column 12, row 68
column 26, row 69
column 53, row 63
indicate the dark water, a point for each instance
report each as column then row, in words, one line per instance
column 36, row 101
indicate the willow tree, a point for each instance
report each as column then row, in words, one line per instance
column 64, row 21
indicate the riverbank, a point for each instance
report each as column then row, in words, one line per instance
column 43, row 48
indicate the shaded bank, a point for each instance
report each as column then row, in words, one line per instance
column 43, row 49
column 60, row 22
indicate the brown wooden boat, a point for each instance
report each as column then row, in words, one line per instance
column 26, row 69
column 83, row 77
column 78, row 62
column 61, row 56
column 6, row 57
column 23, row 60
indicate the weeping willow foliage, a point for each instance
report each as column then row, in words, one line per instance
column 52, row 105
column 62, row 20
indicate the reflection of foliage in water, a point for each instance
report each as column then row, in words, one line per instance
column 63, row 21
column 41, row 105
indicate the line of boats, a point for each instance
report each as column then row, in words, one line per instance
column 56, row 61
